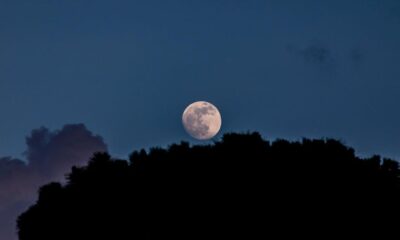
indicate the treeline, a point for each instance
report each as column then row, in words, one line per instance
column 240, row 187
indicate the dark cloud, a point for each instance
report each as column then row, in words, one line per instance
column 52, row 153
column 49, row 155
column 326, row 59
column 357, row 56
column 9, row 165
column 315, row 53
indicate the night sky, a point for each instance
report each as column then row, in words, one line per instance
column 127, row 70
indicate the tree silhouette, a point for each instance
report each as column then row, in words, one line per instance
column 241, row 187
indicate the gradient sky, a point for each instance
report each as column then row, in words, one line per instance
column 127, row 69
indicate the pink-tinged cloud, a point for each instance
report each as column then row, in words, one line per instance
column 49, row 155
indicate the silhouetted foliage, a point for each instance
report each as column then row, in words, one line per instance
column 240, row 187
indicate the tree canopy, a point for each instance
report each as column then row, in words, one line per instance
column 242, row 186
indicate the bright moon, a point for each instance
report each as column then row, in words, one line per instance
column 201, row 120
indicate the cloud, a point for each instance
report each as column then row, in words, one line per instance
column 53, row 153
column 49, row 155
column 357, row 55
column 314, row 53
column 8, row 165
column 327, row 59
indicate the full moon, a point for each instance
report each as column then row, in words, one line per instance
column 201, row 120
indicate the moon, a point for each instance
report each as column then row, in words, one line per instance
column 202, row 120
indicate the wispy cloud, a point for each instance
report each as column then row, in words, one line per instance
column 314, row 53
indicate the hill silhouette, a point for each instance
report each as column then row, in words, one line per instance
column 240, row 187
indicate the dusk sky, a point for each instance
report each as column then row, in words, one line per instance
column 125, row 70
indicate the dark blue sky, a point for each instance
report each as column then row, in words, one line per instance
column 127, row 69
